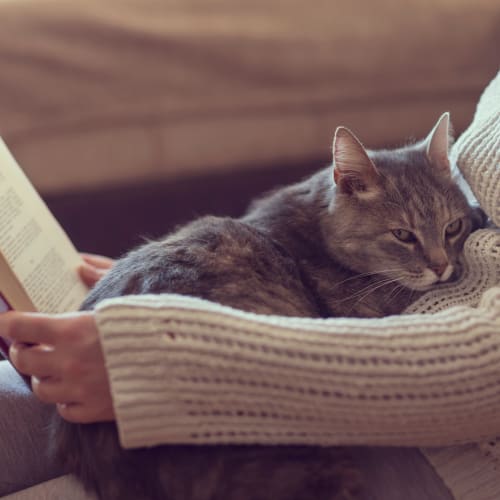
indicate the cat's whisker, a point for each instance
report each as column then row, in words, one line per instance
column 371, row 287
column 395, row 292
column 377, row 286
column 365, row 275
column 359, row 292
column 380, row 285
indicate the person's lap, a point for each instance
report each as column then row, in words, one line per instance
column 24, row 436
column 24, row 460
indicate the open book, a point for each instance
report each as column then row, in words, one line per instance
column 38, row 262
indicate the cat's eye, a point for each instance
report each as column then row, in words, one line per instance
column 454, row 228
column 404, row 235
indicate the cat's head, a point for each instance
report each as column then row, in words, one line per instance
column 398, row 213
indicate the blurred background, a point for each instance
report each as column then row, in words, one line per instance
column 132, row 116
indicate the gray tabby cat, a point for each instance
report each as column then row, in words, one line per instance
column 365, row 239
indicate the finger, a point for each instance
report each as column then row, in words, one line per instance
column 53, row 391
column 98, row 261
column 34, row 360
column 83, row 414
column 71, row 412
column 28, row 328
column 90, row 275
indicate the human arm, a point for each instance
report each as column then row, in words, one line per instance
column 184, row 370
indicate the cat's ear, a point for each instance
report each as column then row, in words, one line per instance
column 437, row 144
column 354, row 173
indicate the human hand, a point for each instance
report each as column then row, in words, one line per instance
column 63, row 355
column 94, row 267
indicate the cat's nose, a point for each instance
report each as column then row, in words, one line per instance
column 439, row 267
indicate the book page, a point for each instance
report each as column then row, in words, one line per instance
column 35, row 246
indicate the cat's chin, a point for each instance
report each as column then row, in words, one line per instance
column 422, row 288
column 427, row 283
column 420, row 283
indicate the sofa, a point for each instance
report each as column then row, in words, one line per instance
column 182, row 107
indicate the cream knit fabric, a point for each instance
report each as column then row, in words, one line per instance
column 184, row 370
column 187, row 371
column 477, row 151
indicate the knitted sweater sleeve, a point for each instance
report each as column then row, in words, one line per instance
column 187, row 371
column 184, row 370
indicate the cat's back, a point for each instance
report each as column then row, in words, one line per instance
column 216, row 258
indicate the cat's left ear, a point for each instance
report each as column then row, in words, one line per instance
column 437, row 144
column 354, row 173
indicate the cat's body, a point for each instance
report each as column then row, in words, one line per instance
column 393, row 226
column 271, row 261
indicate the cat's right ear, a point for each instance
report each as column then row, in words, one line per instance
column 437, row 144
column 353, row 171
